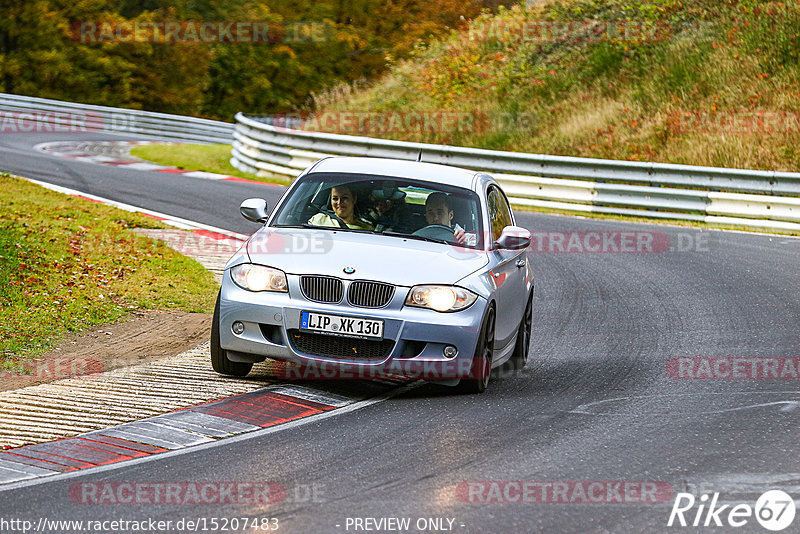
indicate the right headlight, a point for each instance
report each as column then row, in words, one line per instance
column 440, row 298
column 259, row 278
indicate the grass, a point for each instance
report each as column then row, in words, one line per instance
column 208, row 158
column 67, row 264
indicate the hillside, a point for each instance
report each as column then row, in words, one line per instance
column 702, row 82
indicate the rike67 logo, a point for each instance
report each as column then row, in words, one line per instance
column 774, row 510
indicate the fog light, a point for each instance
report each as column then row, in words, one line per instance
column 450, row 351
column 237, row 327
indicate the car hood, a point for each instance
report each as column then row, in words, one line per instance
column 393, row 260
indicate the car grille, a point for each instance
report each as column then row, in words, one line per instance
column 340, row 347
column 321, row 288
column 370, row 294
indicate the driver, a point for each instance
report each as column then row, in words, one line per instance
column 343, row 202
column 438, row 211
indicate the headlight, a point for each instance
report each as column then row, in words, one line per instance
column 258, row 278
column 440, row 298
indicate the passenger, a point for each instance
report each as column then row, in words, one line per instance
column 343, row 202
column 388, row 210
column 438, row 211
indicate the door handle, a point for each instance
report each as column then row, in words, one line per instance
column 520, row 263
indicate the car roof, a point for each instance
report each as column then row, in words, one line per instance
column 430, row 172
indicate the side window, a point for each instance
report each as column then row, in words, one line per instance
column 499, row 212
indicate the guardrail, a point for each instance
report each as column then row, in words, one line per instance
column 763, row 199
column 31, row 114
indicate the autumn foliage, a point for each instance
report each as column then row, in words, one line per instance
column 312, row 45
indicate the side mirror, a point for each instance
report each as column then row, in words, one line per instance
column 513, row 238
column 254, row 209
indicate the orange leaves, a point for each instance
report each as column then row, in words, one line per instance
column 74, row 246
column 608, row 134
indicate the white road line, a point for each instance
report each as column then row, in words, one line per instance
column 138, row 166
column 206, row 175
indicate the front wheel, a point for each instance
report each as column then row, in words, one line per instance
column 520, row 356
column 219, row 359
column 481, row 369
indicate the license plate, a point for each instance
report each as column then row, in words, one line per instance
column 341, row 326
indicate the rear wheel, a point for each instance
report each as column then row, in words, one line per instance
column 520, row 356
column 481, row 368
column 219, row 358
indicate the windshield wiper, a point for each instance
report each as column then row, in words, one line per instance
column 355, row 230
column 418, row 237
column 321, row 227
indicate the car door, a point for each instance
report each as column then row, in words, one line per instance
column 508, row 276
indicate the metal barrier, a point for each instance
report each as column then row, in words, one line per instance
column 31, row 114
column 763, row 199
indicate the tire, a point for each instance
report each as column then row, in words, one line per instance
column 219, row 359
column 520, row 356
column 481, row 368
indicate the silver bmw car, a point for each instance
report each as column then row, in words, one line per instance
column 372, row 267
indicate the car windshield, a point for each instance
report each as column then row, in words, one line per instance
column 399, row 207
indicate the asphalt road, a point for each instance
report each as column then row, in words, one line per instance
column 595, row 402
column 205, row 201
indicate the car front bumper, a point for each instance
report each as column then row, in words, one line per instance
column 413, row 346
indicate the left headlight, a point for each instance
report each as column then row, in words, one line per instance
column 440, row 298
column 258, row 278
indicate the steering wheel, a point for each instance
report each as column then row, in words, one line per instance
column 436, row 231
